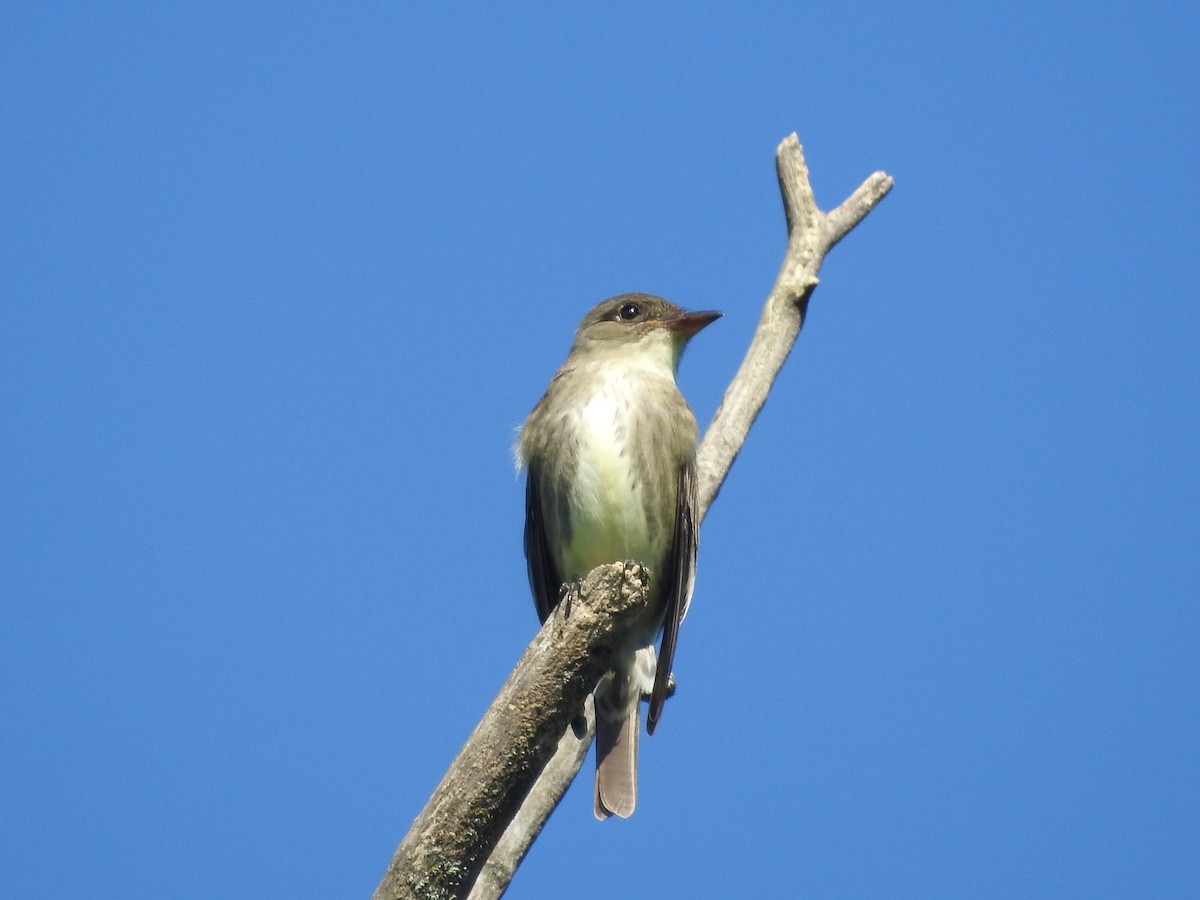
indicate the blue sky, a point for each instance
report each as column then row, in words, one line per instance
column 279, row 282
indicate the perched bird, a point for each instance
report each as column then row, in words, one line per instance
column 611, row 457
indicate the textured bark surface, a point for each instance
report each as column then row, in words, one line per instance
column 524, row 726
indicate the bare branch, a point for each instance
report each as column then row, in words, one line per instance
column 811, row 234
column 542, row 799
column 496, row 771
column 485, row 786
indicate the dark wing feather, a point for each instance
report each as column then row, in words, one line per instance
column 544, row 580
column 681, row 570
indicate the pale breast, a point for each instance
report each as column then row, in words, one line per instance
column 611, row 519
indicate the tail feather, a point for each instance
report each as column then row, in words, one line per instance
column 616, row 764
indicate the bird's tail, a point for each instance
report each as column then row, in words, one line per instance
column 618, row 703
column 616, row 763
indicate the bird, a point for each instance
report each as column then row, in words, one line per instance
column 610, row 454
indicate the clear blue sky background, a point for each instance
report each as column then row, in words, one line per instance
column 279, row 282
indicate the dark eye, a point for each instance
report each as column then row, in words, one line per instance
column 628, row 312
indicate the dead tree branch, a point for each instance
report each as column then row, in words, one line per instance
column 811, row 234
column 522, row 756
column 529, row 720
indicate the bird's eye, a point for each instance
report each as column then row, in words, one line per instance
column 628, row 312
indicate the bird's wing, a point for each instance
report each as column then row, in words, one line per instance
column 680, row 569
column 544, row 579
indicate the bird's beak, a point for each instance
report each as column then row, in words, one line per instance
column 689, row 323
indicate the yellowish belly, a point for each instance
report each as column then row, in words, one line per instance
column 609, row 519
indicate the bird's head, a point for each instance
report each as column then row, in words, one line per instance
column 649, row 329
